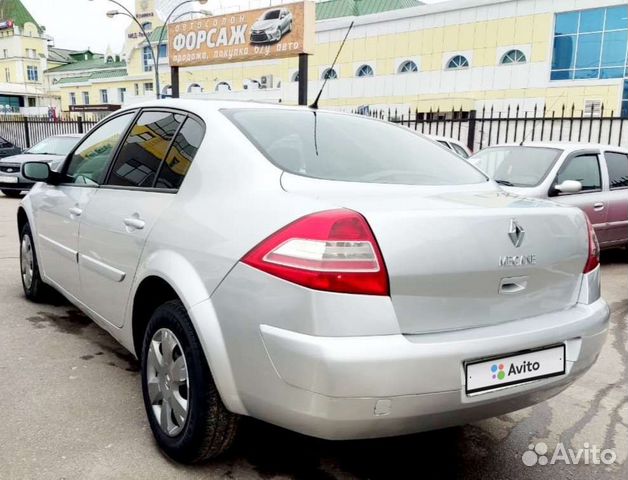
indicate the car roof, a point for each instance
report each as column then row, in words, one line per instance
column 565, row 146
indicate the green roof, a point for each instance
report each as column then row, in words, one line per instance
column 349, row 8
column 15, row 11
column 120, row 72
column 95, row 63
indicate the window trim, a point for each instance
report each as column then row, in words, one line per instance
column 625, row 154
column 124, row 138
column 66, row 163
column 581, row 153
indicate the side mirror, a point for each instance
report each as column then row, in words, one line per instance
column 569, row 186
column 36, row 171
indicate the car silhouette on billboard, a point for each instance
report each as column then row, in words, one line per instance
column 271, row 26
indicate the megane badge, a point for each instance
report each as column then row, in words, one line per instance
column 516, row 233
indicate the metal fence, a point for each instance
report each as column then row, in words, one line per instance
column 480, row 129
column 27, row 131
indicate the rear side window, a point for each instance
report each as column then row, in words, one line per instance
column 144, row 149
column 585, row 169
column 334, row 146
column 181, row 154
column 460, row 151
column 617, row 169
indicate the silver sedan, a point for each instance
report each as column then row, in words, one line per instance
column 336, row 275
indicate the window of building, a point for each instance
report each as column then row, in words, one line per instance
column 104, row 96
column 90, row 160
column 121, row 94
column 72, row 98
column 585, row 169
column 624, row 103
column 147, row 26
column 145, row 148
column 295, row 77
column 5, row 53
column 85, row 98
column 148, row 87
column 617, row 169
column 220, row 87
column 365, row 71
column 32, row 73
column 181, row 154
column 7, row 75
column 329, row 74
column 513, row 56
column 458, row 62
column 163, row 51
column 147, row 59
column 137, row 89
column 32, row 102
column 590, row 44
column 408, row 67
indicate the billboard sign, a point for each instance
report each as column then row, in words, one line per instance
column 281, row 31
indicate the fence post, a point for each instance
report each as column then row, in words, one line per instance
column 80, row 124
column 471, row 133
column 27, row 133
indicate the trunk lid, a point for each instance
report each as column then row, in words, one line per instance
column 449, row 254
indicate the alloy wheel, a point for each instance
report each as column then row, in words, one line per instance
column 168, row 381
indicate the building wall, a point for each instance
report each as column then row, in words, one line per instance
column 481, row 30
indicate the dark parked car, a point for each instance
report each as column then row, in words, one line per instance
column 7, row 148
column 52, row 150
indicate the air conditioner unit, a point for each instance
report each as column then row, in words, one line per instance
column 592, row 108
column 266, row 81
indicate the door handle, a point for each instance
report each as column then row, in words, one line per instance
column 76, row 211
column 598, row 206
column 134, row 223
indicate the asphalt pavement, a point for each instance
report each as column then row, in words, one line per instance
column 71, row 408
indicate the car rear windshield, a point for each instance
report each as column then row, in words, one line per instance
column 335, row 146
column 516, row 166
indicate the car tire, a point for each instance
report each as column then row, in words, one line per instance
column 34, row 287
column 208, row 428
column 12, row 193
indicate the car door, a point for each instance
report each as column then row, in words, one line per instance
column 58, row 208
column 617, row 197
column 118, row 220
column 585, row 168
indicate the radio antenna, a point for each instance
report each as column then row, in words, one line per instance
column 320, row 92
column 531, row 132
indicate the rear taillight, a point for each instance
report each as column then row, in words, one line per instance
column 594, row 249
column 334, row 251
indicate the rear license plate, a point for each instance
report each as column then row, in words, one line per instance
column 517, row 368
column 5, row 179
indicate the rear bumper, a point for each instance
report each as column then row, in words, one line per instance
column 375, row 386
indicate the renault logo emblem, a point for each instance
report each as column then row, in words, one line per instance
column 516, row 233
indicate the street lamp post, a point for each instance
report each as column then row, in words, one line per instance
column 127, row 13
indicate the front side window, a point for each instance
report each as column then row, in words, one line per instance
column 53, row 146
column 181, row 154
column 617, row 169
column 89, row 162
column 516, row 166
column 349, row 148
column 585, row 169
column 144, row 149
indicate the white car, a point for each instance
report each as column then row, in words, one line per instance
column 452, row 144
column 280, row 263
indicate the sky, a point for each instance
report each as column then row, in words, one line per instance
column 82, row 24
